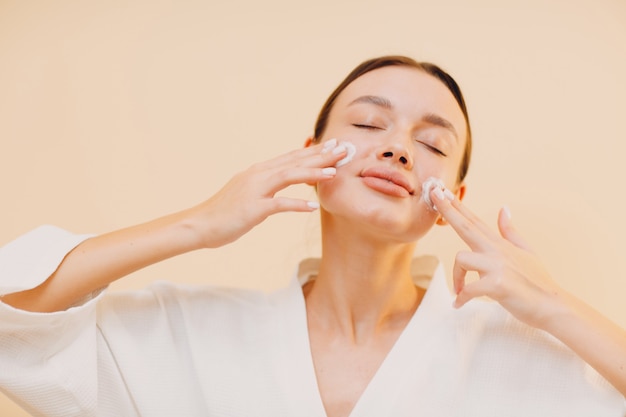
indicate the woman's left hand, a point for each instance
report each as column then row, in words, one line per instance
column 509, row 272
column 513, row 276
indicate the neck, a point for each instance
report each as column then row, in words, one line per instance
column 364, row 286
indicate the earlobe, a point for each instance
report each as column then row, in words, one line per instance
column 460, row 191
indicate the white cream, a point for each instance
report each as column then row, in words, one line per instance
column 328, row 146
column 428, row 185
column 351, row 149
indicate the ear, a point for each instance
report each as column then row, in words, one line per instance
column 459, row 193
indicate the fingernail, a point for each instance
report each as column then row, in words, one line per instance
column 313, row 204
column 339, row 149
column 438, row 193
column 506, row 212
column 449, row 194
column 329, row 171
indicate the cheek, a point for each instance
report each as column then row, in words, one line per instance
column 331, row 191
column 432, row 166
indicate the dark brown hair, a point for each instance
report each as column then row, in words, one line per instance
column 398, row 60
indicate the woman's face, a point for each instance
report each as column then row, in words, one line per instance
column 406, row 126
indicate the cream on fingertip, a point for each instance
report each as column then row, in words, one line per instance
column 507, row 212
column 427, row 187
column 329, row 171
column 313, row 204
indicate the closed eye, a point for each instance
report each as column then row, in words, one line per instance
column 433, row 149
column 363, row 126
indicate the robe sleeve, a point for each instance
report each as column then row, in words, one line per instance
column 48, row 361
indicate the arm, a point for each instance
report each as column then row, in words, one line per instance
column 513, row 276
column 245, row 201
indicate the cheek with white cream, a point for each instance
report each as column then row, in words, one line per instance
column 436, row 184
column 430, row 184
column 332, row 145
column 351, row 151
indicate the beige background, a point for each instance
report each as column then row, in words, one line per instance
column 114, row 112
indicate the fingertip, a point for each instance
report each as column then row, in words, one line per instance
column 439, row 195
column 506, row 212
column 434, row 198
column 504, row 221
column 509, row 231
column 329, row 171
column 313, row 205
column 449, row 194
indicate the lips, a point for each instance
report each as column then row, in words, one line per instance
column 388, row 181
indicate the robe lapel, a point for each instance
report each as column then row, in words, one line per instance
column 416, row 343
column 294, row 359
column 296, row 363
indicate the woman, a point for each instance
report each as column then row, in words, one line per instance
column 358, row 333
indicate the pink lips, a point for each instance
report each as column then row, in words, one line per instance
column 388, row 181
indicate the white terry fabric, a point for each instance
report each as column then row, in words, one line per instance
column 204, row 351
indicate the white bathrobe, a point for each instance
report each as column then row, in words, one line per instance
column 173, row 350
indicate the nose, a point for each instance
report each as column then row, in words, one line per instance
column 396, row 152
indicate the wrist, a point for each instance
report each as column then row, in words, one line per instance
column 563, row 310
column 189, row 231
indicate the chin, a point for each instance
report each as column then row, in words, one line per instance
column 384, row 223
column 398, row 219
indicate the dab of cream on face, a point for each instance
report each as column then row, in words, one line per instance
column 329, row 145
column 351, row 149
column 429, row 185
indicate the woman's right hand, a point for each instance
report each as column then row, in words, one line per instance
column 241, row 204
column 250, row 196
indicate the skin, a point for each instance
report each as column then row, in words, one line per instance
column 363, row 296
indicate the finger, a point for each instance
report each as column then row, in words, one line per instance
column 472, row 290
column 508, row 231
column 326, row 157
column 285, row 204
column 310, row 169
column 459, row 271
column 467, row 230
column 487, row 230
column 317, row 155
column 282, row 178
column 465, row 262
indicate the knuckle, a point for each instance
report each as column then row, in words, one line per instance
column 284, row 175
column 461, row 257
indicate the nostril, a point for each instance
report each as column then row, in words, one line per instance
column 388, row 154
column 403, row 160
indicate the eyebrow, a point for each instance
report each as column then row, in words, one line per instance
column 437, row 120
column 375, row 100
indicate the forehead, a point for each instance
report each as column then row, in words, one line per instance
column 412, row 92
